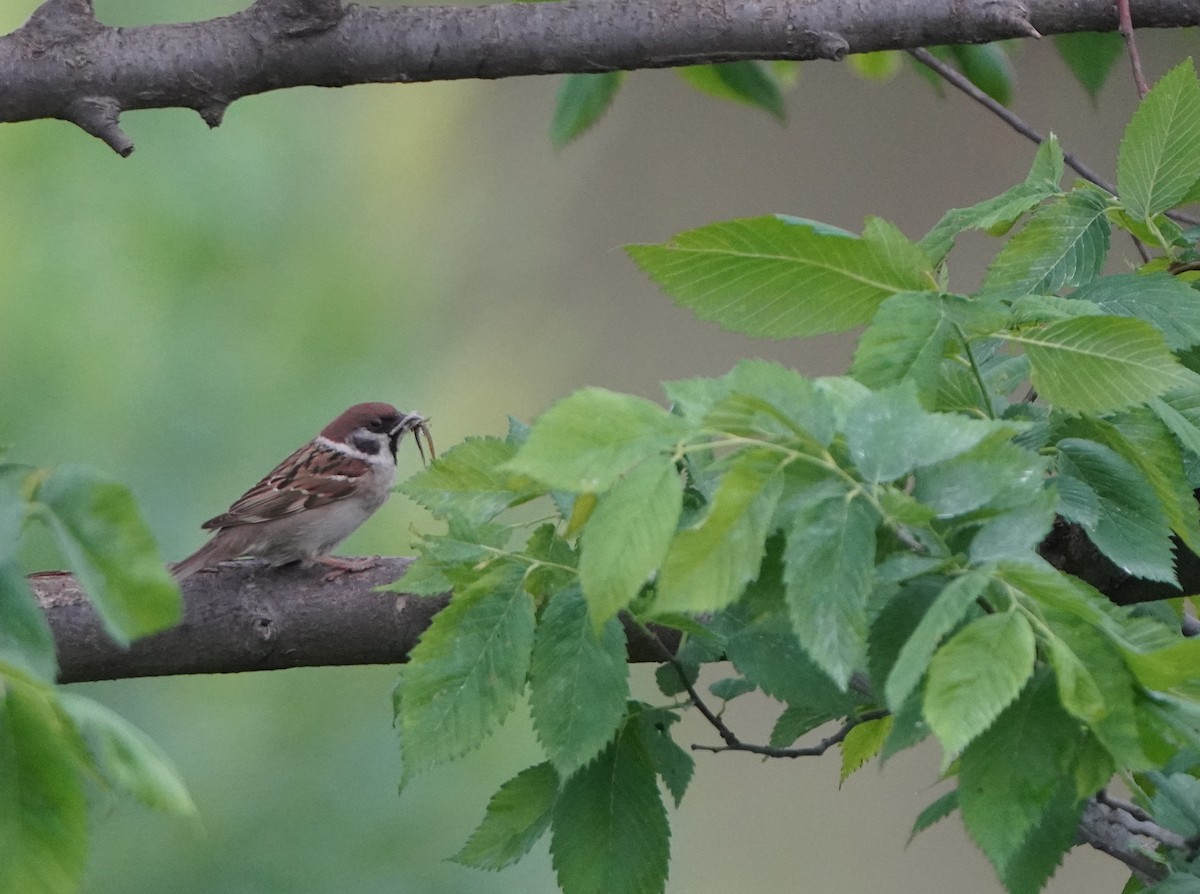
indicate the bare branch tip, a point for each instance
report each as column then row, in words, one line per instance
column 100, row 116
column 832, row 46
column 213, row 113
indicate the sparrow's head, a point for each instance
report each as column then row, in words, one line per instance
column 371, row 427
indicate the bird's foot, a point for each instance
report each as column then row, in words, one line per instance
column 340, row 566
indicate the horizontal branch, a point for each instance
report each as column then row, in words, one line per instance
column 63, row 63
column 245, row 616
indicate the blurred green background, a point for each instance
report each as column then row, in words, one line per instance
column 186, row 317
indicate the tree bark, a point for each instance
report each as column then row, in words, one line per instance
column 245, row 616
column 65, row 64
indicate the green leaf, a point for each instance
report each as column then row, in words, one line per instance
column 950, row 607
column 998, row 214
column 610, row 828
column 516, row 817
column 25, row 638
column 976, row 675
column 468, row 670
column 987, row 66
column 1015, row 785
column 1096, row 364
column 582, row 101
column 1132, row 528
column 43, row 815
column 628, row 535
column 763, row 399
column 768, row 654
column 709, row 564
column 111, row 551
column 127, row 758
column 828, row 565
column 585, row 442
column 578, row 682
column 469, row 479
column 862, row 743
column 1159, row 160
column 775, row 278
column 1090, row 56
column 906, row 340
column 748, row 82
column 1077, row 688
column 975, row 478
column 882, row 65
column 890, row 435
column 935, row 812
column 729, row 688
column 1158, row 298
column 1064, row 244
column 672, row 763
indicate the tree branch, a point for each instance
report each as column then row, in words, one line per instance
column 65, row 64
column 247, row 617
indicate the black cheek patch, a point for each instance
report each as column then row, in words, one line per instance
column 369, row 446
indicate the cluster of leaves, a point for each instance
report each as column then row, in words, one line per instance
column 54, row 744
column 858, row 547
column 584, row 98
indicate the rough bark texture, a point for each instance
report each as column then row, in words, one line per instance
column 246, row 617
column 65, row 64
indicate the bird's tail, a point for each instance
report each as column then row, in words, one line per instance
column 201, row 558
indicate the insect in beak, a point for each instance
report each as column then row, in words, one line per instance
column 418, row 425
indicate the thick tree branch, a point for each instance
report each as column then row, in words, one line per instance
column 247, row 617
column 65, row 64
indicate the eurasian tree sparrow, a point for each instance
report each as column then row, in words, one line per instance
column 315, row 498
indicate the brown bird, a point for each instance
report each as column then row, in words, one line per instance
column 317, row 497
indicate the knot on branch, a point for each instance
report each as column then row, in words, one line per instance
column 99, row 116
column 58, row 22
column 830, row 45
column 300, row 18
column 1011, row 14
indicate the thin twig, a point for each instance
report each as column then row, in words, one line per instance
column 809, row 751
column 956, row 79
column 1125, row 27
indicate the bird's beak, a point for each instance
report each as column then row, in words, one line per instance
column 419, row 425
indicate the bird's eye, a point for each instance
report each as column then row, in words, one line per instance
column 376, row 424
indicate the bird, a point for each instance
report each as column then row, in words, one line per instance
column 315, row 498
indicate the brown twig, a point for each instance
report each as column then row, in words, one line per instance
column 961, row 82
column 1125, row 27
column 808, row 751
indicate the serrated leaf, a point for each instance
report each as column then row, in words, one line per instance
column 112, row 552
column 976, row 675
column 998, row 214
column 1159, row 160
column 828, row 565
column 25, row 638
column 889, row 434
column 127, row 758
column 749, row 82
column 775, row 278
column 1064, row 244
column 768, row 653
column 468, row 670
column 43, row 815
column 610, row 831
column 1090, row 56
column 582, row 101
column 975, row 478
column 1158, row 298
column 516, row 817
column 763, row 399
column 709, row 564
column 906, row 340
column 672, row 763
column 468, row 479
column 944, row 614
column 578, row 682
column 1097, row 364
column 1131, row 528
column 935, row 812
column 862, row 743
column 585, row 442
column 1077, row 688
column 628, row 535
column 1014, row 780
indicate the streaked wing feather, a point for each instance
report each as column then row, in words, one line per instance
column 312, row 476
